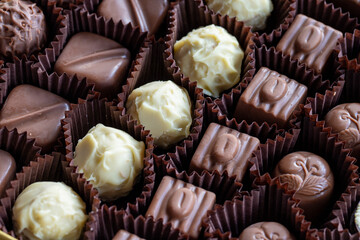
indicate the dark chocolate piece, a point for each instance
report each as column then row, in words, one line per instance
column 149, row 15
column 36, row 111
column 270, row 97
column 266, row 230
column 309, row 41
column 311, row 177
column 182, row 204
column 22, row 28
column 101, row 60
column 352, row 6
column 125, row 235
column 7, row 170
column 224, row 149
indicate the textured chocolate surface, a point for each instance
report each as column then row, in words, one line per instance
column 224, row 149
column 125, row 235
column 270, row 97
column 311, row 177
column 309, row 41
column 266, row 231
column 182, row 204
column 7, row 170
column 36, row 111
column 101, row 60
column 344, row 119
column 144, row 13
column 22, row 28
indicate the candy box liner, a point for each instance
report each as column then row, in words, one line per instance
column 42, row 168
column 186, row 15
column 81, row 119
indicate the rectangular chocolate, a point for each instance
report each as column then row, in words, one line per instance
column 224, row 149
column 182, row 204
column 125, row 235
column 7, row 170
column 309, row 41
column 270, row 97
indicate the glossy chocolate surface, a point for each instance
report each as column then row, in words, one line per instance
column 270, row 97
column 36, row 111
column 312, row 179
column 7, row 170
column 224, row 149
column 266, row 231
column 125, row 235
column 101, row 60
column 309, row 41
column 182, row 204
column 144, row 13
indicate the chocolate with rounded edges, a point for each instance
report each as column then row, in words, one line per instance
column 182, row 204
column 309, row 41
column 344, row 119
column 266, row 231
column 101, row 60
column 125, row 235
column 7, row 170
column 224, row 149
column 36, row 111
column 22, row 28
column 312, row 179
column 270, row 97
column 149, row 15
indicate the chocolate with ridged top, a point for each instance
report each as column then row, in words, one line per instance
column 7, row 170
column 266, row 231
column 125, row 235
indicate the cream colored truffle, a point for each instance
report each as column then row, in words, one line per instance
column 111, row 160
column 210, row 56
column 163, row 108
column 49, row 210
column 253, row 12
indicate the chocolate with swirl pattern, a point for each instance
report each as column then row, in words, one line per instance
column 266, row 231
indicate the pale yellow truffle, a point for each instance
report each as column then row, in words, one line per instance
column 49, row 210
column 163, row 108
column 111, row 160
column 253, row 12
column 210, row 56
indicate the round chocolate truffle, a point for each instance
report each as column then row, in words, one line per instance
column 266, row 230
column 311, row 177
column 22, row 28
column 344, row 119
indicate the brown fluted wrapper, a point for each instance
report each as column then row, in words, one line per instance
column 81, row 119
column 269, row 201
column 47, row 168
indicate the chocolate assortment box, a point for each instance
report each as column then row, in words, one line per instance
column 180, row 119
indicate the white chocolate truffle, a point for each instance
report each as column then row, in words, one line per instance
column 253, row 12
column 163, row 108
column 49, row 210
column 111, row 160
column 211, row 57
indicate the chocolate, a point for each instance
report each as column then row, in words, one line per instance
column 125, row 235
column 182, row 204
column 224, row 149
column 7, row 170
column 270, row 97
column 266, row 230
column 344, row 119
column 311, row 178
column 148, row 15
column 22, row 28
column 101, row 60
column 352, row 6
column 309, row 41
column 36, row 111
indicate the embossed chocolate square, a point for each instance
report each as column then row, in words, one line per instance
column 224, row 149
column 309, row 41
column 182, row 204
column 270, row 97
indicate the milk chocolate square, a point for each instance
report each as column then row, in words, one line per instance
column 7, row 170
column 224, row 149
column 125, row 235
column 309, row 41
column 182, row 204
column 270, row 97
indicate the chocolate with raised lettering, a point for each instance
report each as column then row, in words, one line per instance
column 309, row 41
column 149, row 15
column 224, row 149
column 182, row 204
column 101, row 60
column 7, row 170
column 311, row 178
column 270, row 97
column 266, row 230
column 125, row 235
column 36, row 111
